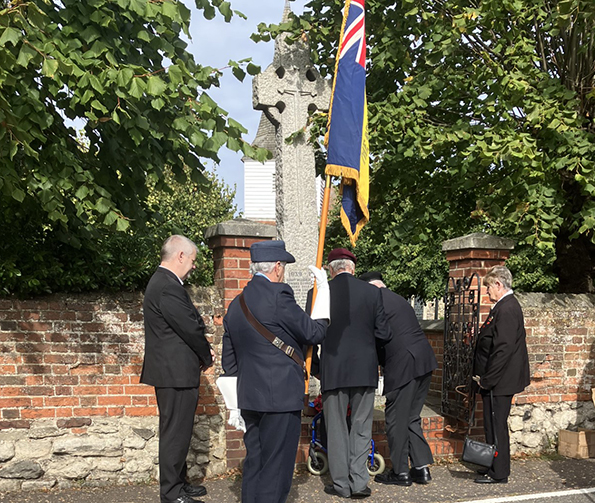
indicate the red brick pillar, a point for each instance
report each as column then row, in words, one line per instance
column 230, row 242
column 477, row 253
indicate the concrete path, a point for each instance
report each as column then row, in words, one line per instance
column 451, row 483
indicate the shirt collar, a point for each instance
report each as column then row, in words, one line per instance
column 163, row 267
column 510, row 292
column 263, row 275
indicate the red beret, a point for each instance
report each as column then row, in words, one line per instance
column 341, row 254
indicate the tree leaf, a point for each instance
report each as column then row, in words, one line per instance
column 49, row 67
column 156, row 86
column 11, row 35
column 137, row 87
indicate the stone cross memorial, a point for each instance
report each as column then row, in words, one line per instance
column 287, row 92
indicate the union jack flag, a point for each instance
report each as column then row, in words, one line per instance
column 347, row 130
column 355, row 33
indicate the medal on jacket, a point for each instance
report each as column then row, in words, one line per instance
column 488, row 322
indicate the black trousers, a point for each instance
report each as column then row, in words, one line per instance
column 403, row 425
column 176, row 421
column 501, row 466
column 271, row 441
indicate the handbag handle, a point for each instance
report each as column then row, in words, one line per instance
column 472, row 418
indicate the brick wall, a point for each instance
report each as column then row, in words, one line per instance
column 561, row 341
column 434, row 331
column 72, row 358
column 73, row 363
column 231, row 256
column 561, row 344
column 230, row 242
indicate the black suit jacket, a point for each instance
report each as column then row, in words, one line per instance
column 175, row 343
column 348, row 356
column 409, row 354
column 501, row 358
column 268, row 379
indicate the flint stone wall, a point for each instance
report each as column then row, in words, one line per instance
column 72, row 410
column 561, row 342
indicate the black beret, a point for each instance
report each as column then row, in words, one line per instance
column 371, row 276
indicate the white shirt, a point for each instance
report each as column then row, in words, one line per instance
column 509, row 292
column 163, row 267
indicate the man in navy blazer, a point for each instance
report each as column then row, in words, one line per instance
column 270, row 383
column 408, row 361
column 176, row 350
column 349, row 374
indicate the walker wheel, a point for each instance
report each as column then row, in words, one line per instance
column 318, row 463
column 377, row 466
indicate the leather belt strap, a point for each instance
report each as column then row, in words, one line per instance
column 269, row 336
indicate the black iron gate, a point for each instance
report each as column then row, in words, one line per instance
column 461, row 325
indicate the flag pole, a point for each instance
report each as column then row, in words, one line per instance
column 319, row 256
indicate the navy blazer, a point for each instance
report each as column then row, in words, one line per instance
column 409, row 354
column 268, row 379
column 348, row 356
column 175, row 343
column 501, row 358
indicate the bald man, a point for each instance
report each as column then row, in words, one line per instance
column 176, row 351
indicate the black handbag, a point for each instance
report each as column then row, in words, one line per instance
column 480, row 453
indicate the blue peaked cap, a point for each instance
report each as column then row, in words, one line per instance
column 270, row 251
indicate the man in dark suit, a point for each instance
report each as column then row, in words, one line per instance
column 176, row 350
column 270, row 383
column 408, row 361
column 501, row 366
column 349, row 374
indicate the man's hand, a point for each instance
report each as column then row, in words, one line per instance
column 204, row 366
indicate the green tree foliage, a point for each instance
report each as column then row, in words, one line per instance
column 188, row 209
column 118, row 69
column 481, row 118
column 34, row 263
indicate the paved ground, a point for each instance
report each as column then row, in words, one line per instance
column 451, row 483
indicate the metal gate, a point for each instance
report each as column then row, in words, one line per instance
column 461, row 326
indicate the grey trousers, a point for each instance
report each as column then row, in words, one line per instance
column 348, row 447
column 403, row 425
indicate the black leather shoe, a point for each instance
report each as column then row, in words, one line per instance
column 393, row 479
column 420, row 475
column 485, row 479
column 186, row 499
column 364, row 493
column 194, row 491
column 330, row 489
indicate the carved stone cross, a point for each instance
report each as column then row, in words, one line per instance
column 287, row 91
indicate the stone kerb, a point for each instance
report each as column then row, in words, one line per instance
column 230, row 242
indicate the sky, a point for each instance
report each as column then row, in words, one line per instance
column 214, row 42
